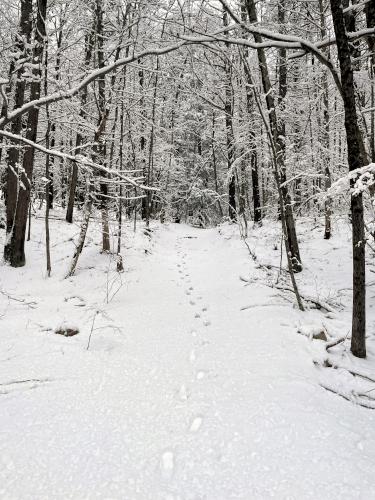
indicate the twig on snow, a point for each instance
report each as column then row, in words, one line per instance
column 32, row 304
column 354, row 399
column 336, row 342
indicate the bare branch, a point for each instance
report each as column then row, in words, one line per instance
column 79, row 159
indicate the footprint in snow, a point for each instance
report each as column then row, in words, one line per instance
column 203, row 342
column 192, row 303
column 187, row 292
column 77, row 300
column 196, row 424
column 206, row 322
column 197, row 315
column 204, row 309
column 167, row 464
column 183, row 393
column 192, row 356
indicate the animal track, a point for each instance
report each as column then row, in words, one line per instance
column 203, row 342
column 167, row 464
column 196, row 424
column 183, row 393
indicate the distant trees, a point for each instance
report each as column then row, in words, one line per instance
column 163, row 109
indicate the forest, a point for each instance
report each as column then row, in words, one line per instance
column 188, row 233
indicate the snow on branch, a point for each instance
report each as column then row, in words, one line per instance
column 282, row 40
column 93, row 75
column 81, row 160
column 357, row 181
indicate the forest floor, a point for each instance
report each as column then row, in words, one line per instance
column 199, row 381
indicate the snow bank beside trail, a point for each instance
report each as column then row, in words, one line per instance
column 196, row 383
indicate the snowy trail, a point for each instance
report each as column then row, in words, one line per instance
column 195, row 399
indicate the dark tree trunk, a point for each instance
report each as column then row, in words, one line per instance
column 229, row 128
column 47, row 172
column 277, row 129
column 252, row 138
column 19, row 186
column 79, row 138
column 52, row 127
column 355, row 160
column 142, row 145
column 214, row 163
column 100, row 145
column 370, row 21
column 4, row 111
column 281, row 151
column 255, row 183
column 252, row 143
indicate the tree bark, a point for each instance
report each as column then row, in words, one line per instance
column 89, row 42
column 370, row 22
column 100, row 146
column 229, row 128
column 252, row 138
column 277, row 129
column 19, row 184
column 355, row 160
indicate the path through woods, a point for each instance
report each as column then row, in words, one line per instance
column 194, row 398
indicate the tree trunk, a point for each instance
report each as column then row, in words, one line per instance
column 89, row 42
column 277, row 129
column 229, row 128
column 19, row 186
column 252, row 138
column 87, row 209
column 100, row 146
column 370, row 21
column 355, row 160
column 142, row 145
column 214, row 163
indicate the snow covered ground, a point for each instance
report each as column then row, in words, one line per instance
column 197, row 383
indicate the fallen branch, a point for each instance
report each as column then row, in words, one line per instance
column 354, row 399
column 329, row 363
column 318, row 304
column 335, row 342
column 31, row 304
column 252, row 306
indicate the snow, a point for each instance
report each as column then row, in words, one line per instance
column 196, row 383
